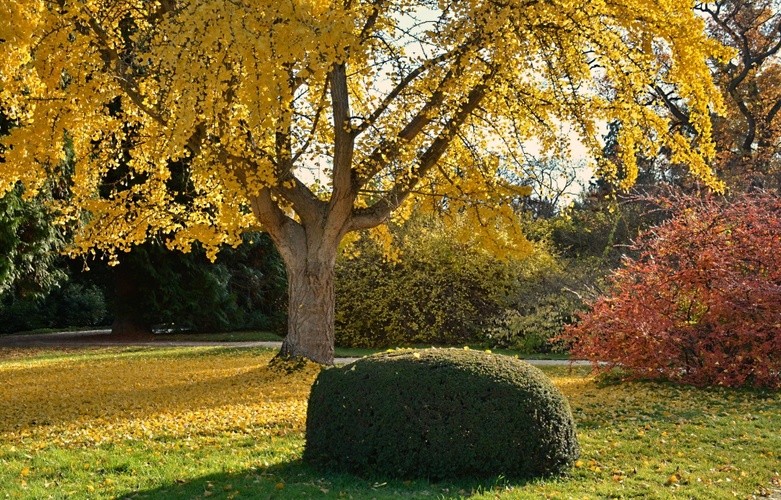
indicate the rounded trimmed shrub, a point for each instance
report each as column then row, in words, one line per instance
column 439, row 413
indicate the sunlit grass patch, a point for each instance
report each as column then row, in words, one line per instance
column 240, row 336
column 656, row 440
column 218, row 423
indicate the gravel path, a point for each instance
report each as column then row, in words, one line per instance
column 104, row 338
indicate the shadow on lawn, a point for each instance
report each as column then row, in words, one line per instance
column 296, row 480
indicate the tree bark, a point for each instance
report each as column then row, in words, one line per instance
column 128, row 321
column 309, row 247
column 311, row 311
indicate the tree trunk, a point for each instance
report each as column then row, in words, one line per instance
column 128, row 321
column 128, row 327
column 311, row 310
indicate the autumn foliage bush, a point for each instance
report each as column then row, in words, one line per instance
column 439, row 413
column 702, row 302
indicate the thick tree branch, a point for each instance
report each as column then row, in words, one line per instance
column 399, row 88
column 284, row 231
column 371, row 21
column 308, row 206
column 381, row 210
column 344, row 137
column 741, row 39
column 305, row 203
column 773, row 112
column 676, row 111
column 389, row 149
column 751, row 122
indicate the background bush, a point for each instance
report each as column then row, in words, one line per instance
column 439, row 291
column 548, row 293
column 439, row 413
column 29, row 244
column 442, row 291
column 245, row 288
column 702, row 303
column 66, row 305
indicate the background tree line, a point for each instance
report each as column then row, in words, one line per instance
column 439, row 288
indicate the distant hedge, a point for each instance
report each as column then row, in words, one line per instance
column 439, row 292
column 439, row 413
column 71, row 304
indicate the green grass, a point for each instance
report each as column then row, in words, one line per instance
column 240, row 336
column 43, row 331
column 217, row 423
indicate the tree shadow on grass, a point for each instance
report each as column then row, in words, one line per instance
column 295, row 480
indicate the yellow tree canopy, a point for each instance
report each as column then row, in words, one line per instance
column 383, row 100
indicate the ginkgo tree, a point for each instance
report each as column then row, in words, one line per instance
column 385, row 101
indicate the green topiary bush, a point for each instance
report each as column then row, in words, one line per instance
column 439, row 413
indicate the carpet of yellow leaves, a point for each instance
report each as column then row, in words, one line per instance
column 121, row 396
column 211, row 422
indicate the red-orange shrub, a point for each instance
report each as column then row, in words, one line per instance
column 702, row 302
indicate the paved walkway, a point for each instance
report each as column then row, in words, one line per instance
column 103, row 338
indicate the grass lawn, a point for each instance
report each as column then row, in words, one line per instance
column 217, row 423
column 357, row 352
column 340, row 352
column 242, row 336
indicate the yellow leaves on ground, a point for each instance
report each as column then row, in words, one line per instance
column 106, row 422
column 114, row 398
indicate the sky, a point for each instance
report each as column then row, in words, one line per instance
column 579, row 156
